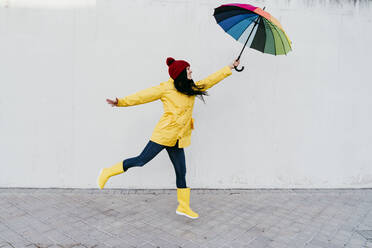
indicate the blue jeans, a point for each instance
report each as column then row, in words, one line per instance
column 176, row 155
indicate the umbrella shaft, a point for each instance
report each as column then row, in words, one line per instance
column 258, row 20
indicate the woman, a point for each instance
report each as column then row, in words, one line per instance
column 173, row 131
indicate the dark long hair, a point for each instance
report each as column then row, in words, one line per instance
column 188, row 87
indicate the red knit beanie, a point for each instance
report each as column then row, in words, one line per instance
column 176, row 67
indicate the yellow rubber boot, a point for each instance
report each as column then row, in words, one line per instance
column 106, row 173
column 183, row 196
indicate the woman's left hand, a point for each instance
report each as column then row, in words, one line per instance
column 235, row 63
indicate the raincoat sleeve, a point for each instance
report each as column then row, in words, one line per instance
column 143, row 96
column 214, row 78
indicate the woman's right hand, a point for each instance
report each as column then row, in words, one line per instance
column 113, row 103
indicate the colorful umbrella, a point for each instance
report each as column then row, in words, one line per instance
column 254, row 27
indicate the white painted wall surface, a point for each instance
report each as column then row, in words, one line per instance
column 297, row 121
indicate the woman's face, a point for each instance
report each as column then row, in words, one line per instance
column 189, row 71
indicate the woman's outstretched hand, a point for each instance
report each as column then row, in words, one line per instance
column 113, row 103
column 235, row 63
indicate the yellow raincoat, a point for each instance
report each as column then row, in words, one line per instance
column 176, row 123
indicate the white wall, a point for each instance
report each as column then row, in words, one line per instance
column 297, row 121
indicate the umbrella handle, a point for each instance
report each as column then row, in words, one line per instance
column 239, row 70
column 235, row 67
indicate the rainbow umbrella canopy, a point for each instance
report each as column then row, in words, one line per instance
column 254, row 27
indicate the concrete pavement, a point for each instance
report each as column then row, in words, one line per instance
column 266, row 218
